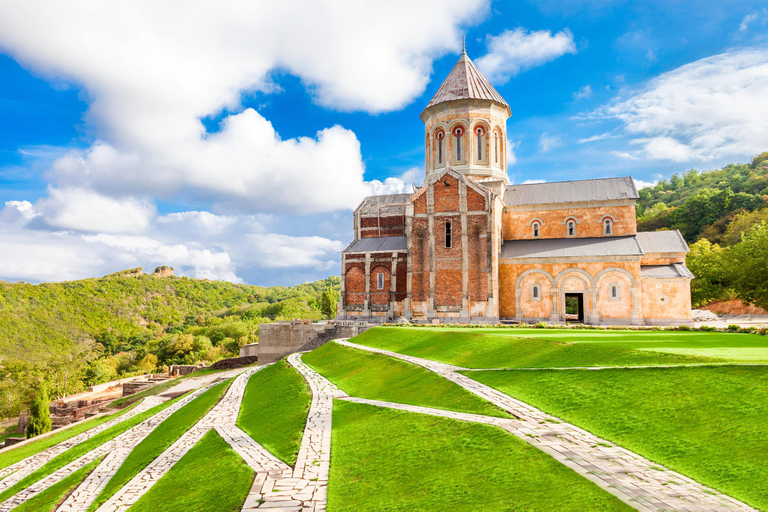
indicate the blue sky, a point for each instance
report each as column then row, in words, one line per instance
column 231, row 140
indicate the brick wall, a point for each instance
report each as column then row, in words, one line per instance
column 354, row 284
column 589, row 222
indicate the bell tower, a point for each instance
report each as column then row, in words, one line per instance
column 465, row 125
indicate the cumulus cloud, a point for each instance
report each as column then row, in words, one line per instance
column 640, row 184
column 516, row 50
column 712, row 108
column 281, row 251
column 152, row 71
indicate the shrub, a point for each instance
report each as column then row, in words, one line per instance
column 39, row 414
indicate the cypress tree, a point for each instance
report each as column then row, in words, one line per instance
column 39, row 414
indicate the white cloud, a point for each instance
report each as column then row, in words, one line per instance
column 749, row 18
column 84, row 210
column 529, row 182
column 624, row 154
column 516, row 50
column 640, row 184
column 398, row 185
column 153, row 70
column 547, row 142
column 281, row 251
column 511, row 155
column 712, row 108
column 595, row 138
column 584, row 92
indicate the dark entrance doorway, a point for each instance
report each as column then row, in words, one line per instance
column 574, row 307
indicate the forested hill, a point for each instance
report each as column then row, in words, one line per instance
column 715, row 205
column 77, row 333
column 723, row 214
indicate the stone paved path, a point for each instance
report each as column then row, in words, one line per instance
column 222, row 414
column 18, row 471
column 620, row 472
column 305, row 487
column 120, row 445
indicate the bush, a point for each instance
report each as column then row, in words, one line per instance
column 39, row 414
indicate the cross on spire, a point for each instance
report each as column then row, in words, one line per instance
column 463, row 44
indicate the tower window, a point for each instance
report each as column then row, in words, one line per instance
column 571, row 228
column 458, row 132
column 536, row 230
column 448, row 235
column 480, row 132
column 607, row 227
column 380, row 281
column 496, row 137
column 440, row 147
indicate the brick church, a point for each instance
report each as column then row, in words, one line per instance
column 469, row 247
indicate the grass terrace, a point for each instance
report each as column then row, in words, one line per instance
column 379, row 377
column 160, row 439
column 274, row 410
column 557, row 348
column 52, row 497
column 384, row 459
column 709, row 423
column 210, row 476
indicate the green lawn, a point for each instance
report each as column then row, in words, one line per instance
column 378, row 377
column 709, row 423
column 210, row 477
column 384, row 459
column 81, row 449
column 542, row 348
column 49, row 499
column 160, row 439
column 274, row 410
column 22, row 452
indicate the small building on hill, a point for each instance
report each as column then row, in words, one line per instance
column 469, row 247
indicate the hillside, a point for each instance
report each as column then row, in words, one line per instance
column 723, row 214
column 708, row 204
column 92, row 330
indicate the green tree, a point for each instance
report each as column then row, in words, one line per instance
column 328, row 302
column 749, row 266
column 742, row 223
column 708, row 263
column 39, row 414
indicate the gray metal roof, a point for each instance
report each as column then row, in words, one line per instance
column 384, row 200
column 673, row 271
column 571, row 247
column 604, row 189
column 463, row 82
column 384, row 243
column 662, row 241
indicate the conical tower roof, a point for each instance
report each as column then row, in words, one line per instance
column 465, row 81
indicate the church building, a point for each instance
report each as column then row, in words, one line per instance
column 469, row 247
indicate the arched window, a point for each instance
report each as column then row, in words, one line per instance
column 571, row 228
column 536, row 228
column 535, row 292
column 448, row 234
column 480, row 132
column 614, row 291
column 608, row 227
column 380, row 281
column 458, row 132
column 496, row 143
column 440, row 136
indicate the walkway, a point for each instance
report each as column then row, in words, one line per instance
column 305, row 487
column 222, row 415
column 16, row 472
column 631, row 478
column 117, row 448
